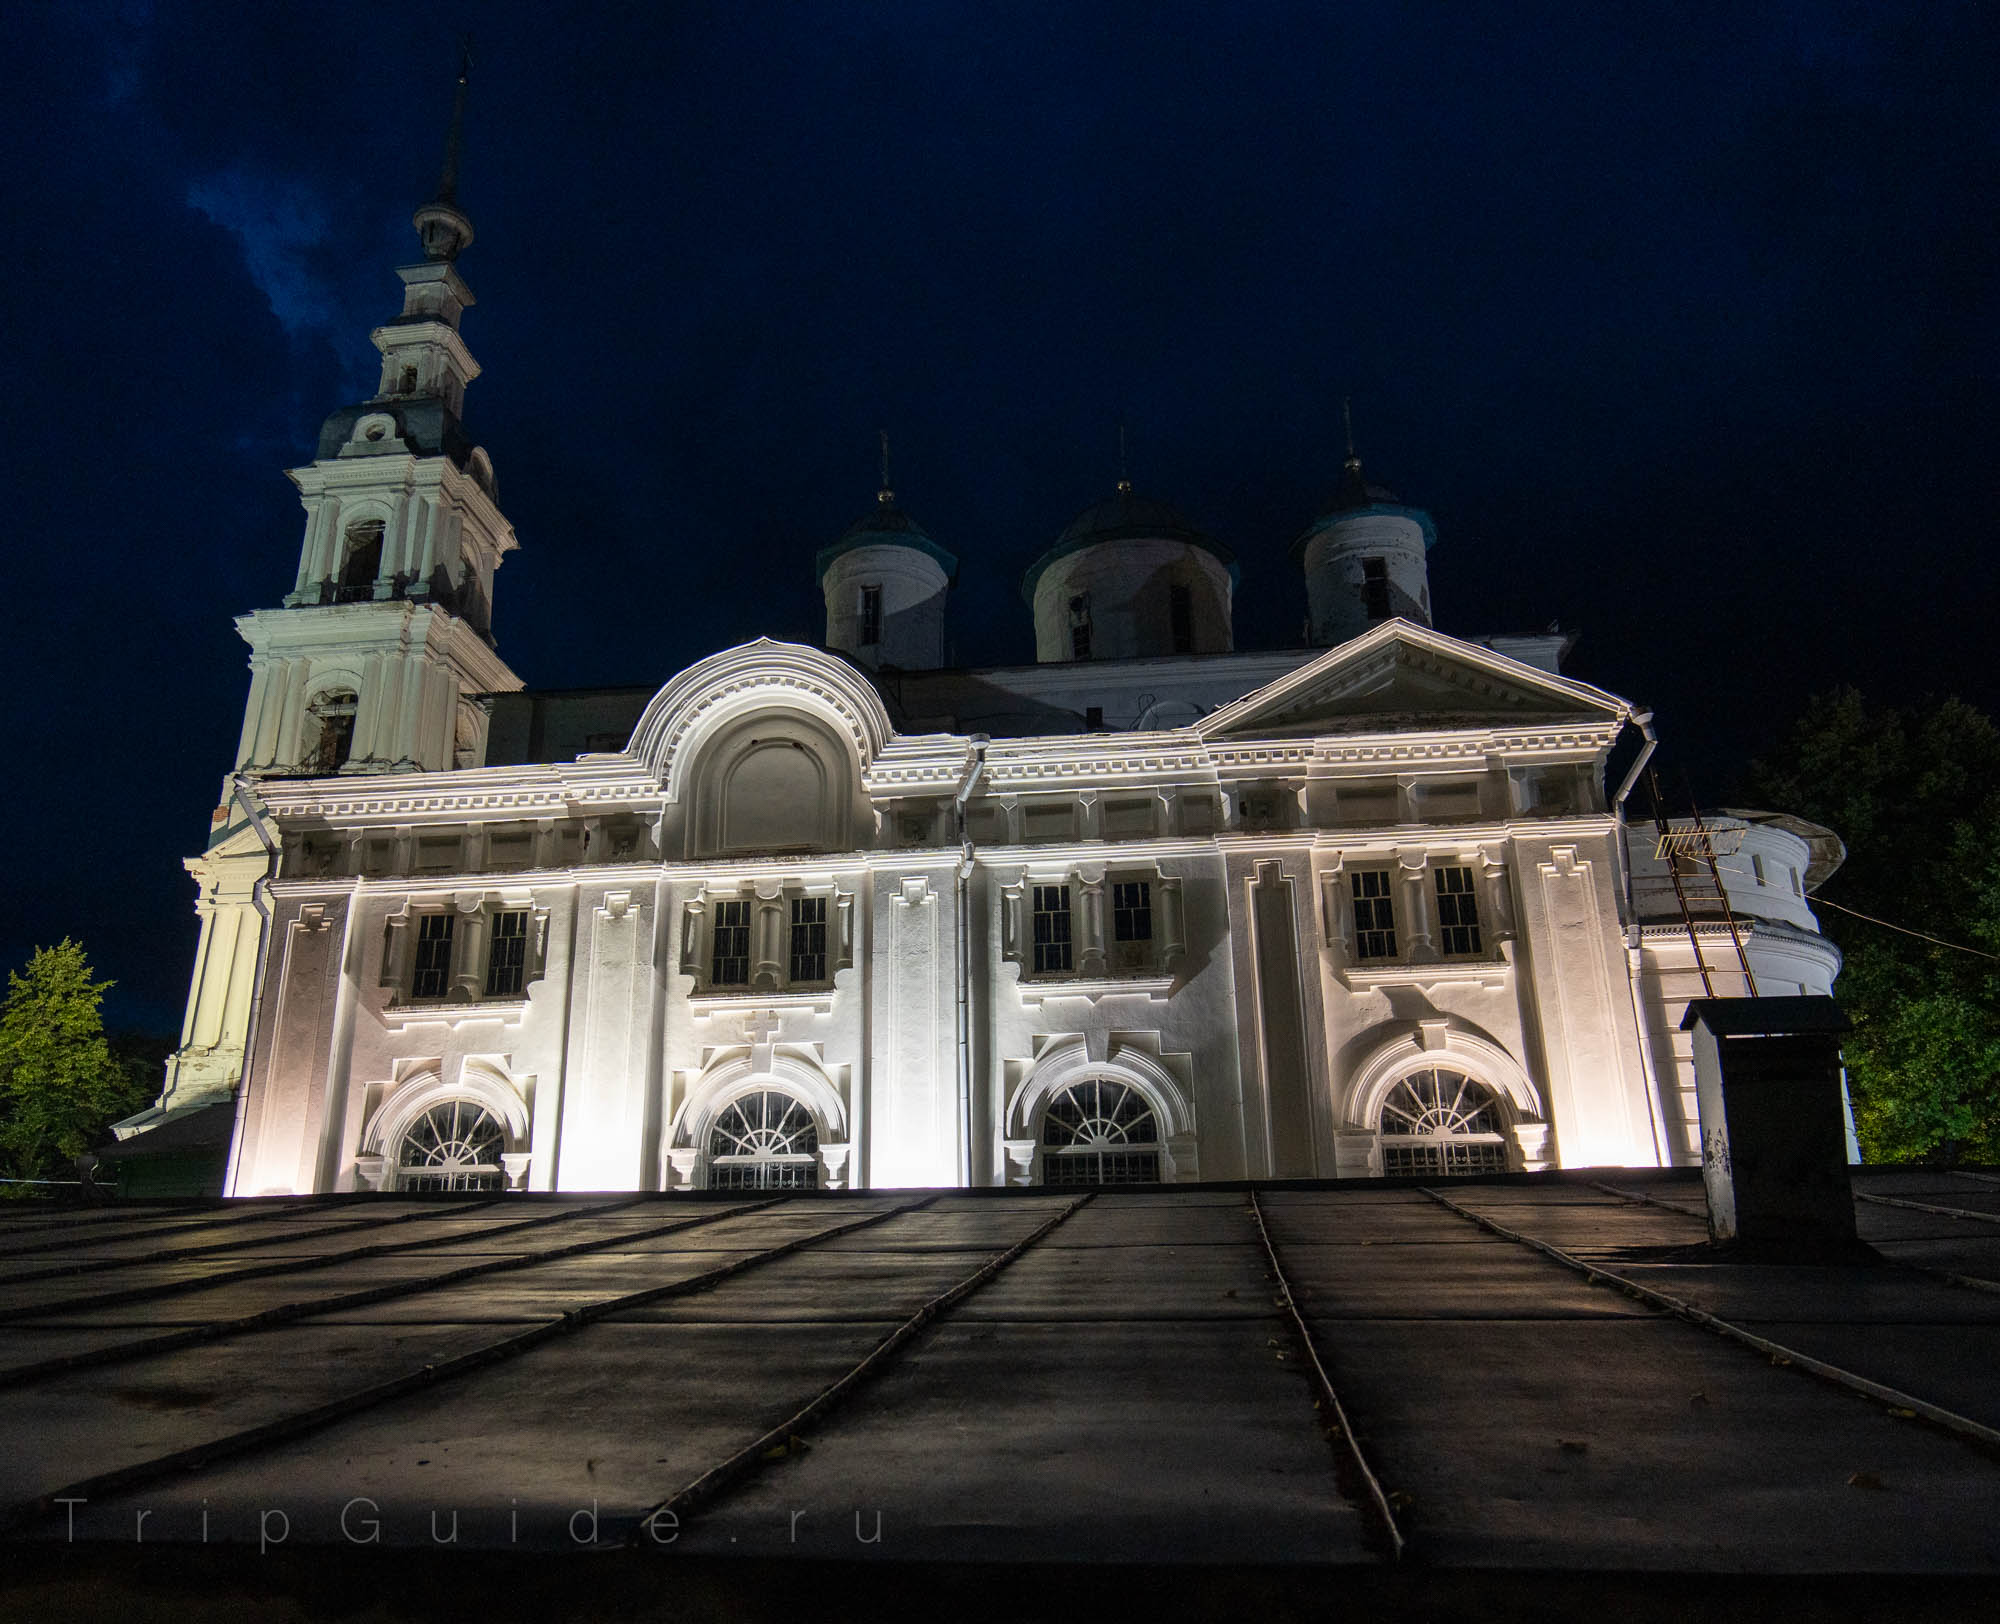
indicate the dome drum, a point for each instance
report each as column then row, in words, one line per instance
column 1130, row 577
column 885, row 606
column 1365, row 567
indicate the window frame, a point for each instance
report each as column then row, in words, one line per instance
column 514, row 962
column 1457, row 911
column 742, row 944
column 1060, row 940
column 1380, row 916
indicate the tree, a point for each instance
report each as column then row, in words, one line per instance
column 59, row 1085
column 1915, row 794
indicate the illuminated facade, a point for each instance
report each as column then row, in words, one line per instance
column 1149, row 909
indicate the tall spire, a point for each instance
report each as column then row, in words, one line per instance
column 1353, row 463
column 447, row 191
column 885, row 495
column 441, row 225
column 1124, row 468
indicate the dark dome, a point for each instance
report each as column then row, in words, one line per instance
column 884, row 520
column 1125, row 517
column 1355, row 491
column 1356, row 494
column 886, row 525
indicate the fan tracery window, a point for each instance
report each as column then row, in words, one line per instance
column 1437, row 1123
column 1100, row 1131
column 455, row 1145
column 763, row 1141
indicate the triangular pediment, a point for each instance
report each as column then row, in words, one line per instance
column 1402, row 677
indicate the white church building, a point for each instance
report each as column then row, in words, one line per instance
column 1147, row 909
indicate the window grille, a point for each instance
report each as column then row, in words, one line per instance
column 1458, row 911
column 432, row 977
column 1132, row 911
column 455, row 1145
column 1180, row 610
column 871, row 615
column 1374, row 915
column 1375, row 587
column 1100, row 1132
column 808, row 960
column 764, row 1141
column 729, row 964
column 1441, row 1124
column 1052, row 935
column 507, row 963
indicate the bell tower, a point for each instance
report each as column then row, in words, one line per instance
column 377, row 659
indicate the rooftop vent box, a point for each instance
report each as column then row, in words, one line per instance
column 1773, row 1123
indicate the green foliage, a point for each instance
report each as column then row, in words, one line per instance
column 59, row 1083
column 1915, row 794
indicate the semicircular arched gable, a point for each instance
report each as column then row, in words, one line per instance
column 763, row 675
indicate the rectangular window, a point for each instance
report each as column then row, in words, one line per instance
column 1079, row 626
column 871, row 615
column 1458, row 911
column 1375, row 587
column 808, row 961
column 1132, row 911
column 1052, row 955
column 729, row 964
column 507, row 964
column 1374, row 915
column 432, row 978
column 1180, row 610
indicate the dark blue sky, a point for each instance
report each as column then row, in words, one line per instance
column 1679, row 320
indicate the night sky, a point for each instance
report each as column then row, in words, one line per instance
column 1680, row 320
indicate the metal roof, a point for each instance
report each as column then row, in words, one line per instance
column 1546, row 1372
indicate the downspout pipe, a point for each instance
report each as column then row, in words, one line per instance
column 260, row 897
column 1634, row 949
column 968, row 783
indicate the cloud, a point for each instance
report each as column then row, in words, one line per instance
column 280, row 224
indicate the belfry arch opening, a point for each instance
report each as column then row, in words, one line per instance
column 363, row 561
column 330, row 737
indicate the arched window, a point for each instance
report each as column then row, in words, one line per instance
column 455, row 1145
column 1437, row 1122
column 763, row 1141
column 1099, row 1131
column 362, row 563
column 330, row 735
